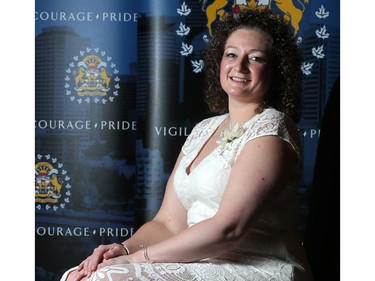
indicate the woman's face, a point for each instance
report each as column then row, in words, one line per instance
column 246, row 66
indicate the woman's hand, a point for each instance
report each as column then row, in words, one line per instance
column 100, row 254
column 119, row 260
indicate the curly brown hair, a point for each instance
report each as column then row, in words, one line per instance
column 285, row 92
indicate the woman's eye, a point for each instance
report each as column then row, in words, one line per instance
column 257, row 59
column 231, row 55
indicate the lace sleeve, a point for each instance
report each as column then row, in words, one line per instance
column 274, row 123
column 199, row 133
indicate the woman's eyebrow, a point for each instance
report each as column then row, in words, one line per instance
column 251, row 50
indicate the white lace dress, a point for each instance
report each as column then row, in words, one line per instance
column 271, row 249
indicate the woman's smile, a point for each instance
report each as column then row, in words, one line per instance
column 246, row 66
column 239, row 79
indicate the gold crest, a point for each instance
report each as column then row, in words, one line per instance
column 52, row 186
column 219, row 8
column 47, row 183
column 93, row 77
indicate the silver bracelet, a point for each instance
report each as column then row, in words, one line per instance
column 144, row 251
column 126, row 249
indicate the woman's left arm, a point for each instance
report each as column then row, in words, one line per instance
column 262, row 170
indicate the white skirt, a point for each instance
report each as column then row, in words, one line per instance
column 210, row 270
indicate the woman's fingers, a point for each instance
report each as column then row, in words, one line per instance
column 115, row 251
column 80, row 266
column 90, row 264
column 99, row 258
column 117, row 260
column 79, row 276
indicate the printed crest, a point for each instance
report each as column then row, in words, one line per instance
column 216, row 10
column 52, row 187
column 92, row 77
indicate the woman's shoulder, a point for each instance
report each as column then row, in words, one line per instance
column 209, row 122
column 200, row 131
column 274, row 114
column 271, row 118
column 272, row 122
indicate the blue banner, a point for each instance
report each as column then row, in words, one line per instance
column 118, row 88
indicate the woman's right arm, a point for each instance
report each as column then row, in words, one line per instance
column 169, row 220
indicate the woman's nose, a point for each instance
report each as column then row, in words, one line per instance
column 242, row 65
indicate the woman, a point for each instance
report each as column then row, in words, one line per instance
column 230, row 209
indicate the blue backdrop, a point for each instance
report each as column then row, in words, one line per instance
column 118, row 89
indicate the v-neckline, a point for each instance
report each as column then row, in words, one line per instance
column 188, row 170
column 220, row 121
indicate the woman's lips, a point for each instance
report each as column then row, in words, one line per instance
column 239, row 79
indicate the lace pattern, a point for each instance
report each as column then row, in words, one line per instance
column 200, row 191
column 266, row 252
column 202, row 131
column 269, row 122
column 261, row 269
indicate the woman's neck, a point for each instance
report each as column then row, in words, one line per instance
column 241, row 114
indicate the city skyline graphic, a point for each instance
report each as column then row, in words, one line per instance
column 117, row 154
